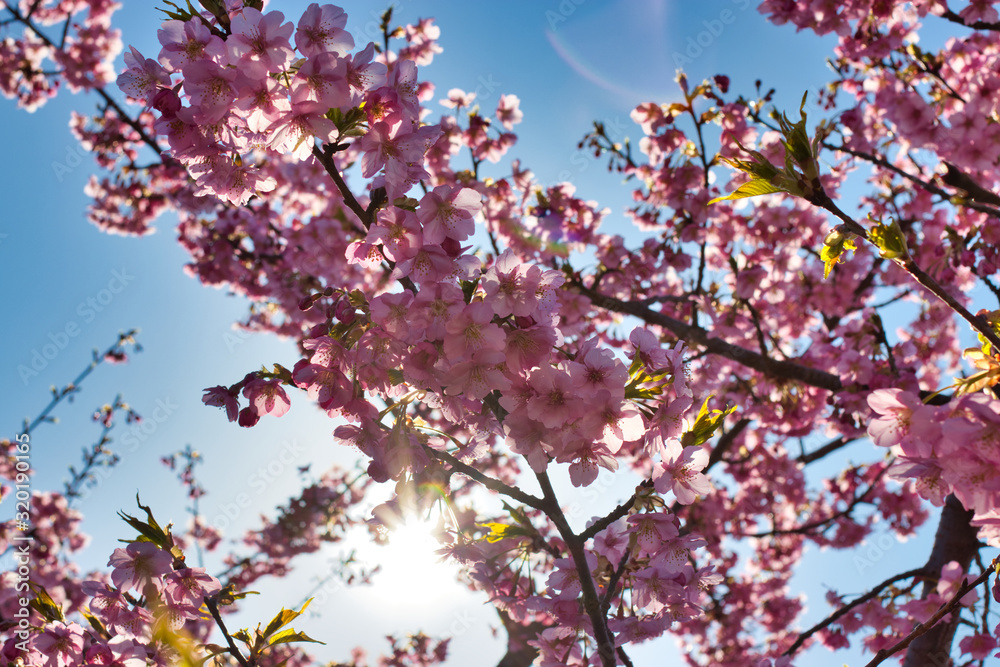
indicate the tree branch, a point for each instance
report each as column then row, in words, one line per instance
column 955, row 540
column 234, row 650
column 487, row 481
column 950, row 15
column 870, row 595
column 783, row 370
column 881, row 656
column 828, row 448
column 591, row 602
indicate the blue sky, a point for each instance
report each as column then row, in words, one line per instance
column 571, row 62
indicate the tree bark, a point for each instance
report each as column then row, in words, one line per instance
column 955, row 540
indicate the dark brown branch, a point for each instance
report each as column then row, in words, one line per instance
column 613, row 581
column 234, row 650
column 819, row 523
column 487, row 481
column 828, row 448
column 726, row 441
column 881, row 656
column 955, row 540
column 366, row 216
column 950, row 15
column 783, row 370
column 940, row 292
column 926, row 185
column 134, row 124
column 591, row 601
column 325, row 158
column 616, row 513
column 870, row 595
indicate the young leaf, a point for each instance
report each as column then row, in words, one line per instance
column 44, row 604
column 283, row 618
column 288, row 636
column 757, row 186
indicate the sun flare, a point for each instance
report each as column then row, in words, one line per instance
column 412, row 572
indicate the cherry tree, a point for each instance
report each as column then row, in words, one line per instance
column 474, row 333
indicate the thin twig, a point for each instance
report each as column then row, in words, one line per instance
column 947, row 608
column 870, row 595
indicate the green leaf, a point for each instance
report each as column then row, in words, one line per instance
column 757, row 186
column 469, row 288
column 44, row 604
column 889, row 239
column 836, row 243
column 706, row 424
column 95, row 623
column 288, row 636
column 149, row 529
column 501, row 531
column 283, row 618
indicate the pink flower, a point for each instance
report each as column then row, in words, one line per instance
column 472, row 330
column 458, row 99
column 322, row 78
column 295, row 131
column 617, row 421
column 387, row 144
column 210, row 87
column 978, row 646
column 221, row 397
column 259, row 42
column 364, row 75
column 448, row 211
column 61, row 644
column 143, row 77
column 187, row 588
column 186, row 42
column 139, row 564
column 118, row 652
column 897, row 409
column 267, row 397
column 564, row 582
column 596, row 369
column 680, row 471
column 508, row 112
column 586, row 460
column 511, row 285
column 652, row 530
column 321, row 30
column 554, row 403
column 231, row 182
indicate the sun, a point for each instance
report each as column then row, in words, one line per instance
column 413, row 574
